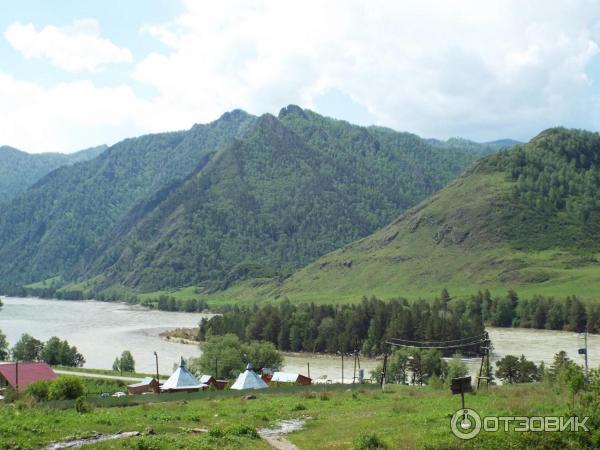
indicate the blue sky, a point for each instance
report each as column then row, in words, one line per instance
column 75, row 74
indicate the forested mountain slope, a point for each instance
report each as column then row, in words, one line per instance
column 66, row 216
column 527, row 218
column 237, row 198
column 20, row 170
column 296, row 187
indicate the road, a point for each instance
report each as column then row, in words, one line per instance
column 97, row 375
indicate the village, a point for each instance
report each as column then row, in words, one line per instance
column 19, row 375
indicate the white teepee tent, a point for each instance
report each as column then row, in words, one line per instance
column 182, row 380
column 249, row 380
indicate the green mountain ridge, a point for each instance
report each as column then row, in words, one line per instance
column 291, row 190
column 59, row 223
column 221, row 202
column 525, row 219
column 20, row 170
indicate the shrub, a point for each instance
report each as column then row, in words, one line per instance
column 38, row 391
column 66, row 388
column 299, row 407
column 369, row 441
column 242, row 430
column 10, row 395
column 81, row 406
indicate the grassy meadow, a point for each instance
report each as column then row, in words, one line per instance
column 337, row 417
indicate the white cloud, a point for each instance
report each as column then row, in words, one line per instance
column 74, row 48
column 68, row 116
column 481, row 70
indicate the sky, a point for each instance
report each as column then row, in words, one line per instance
column 78, row 74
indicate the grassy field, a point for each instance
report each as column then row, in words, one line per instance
column 337, row 417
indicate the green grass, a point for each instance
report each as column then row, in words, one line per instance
column 45, row 283
column 403, row 417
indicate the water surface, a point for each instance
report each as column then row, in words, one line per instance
column 101, row 330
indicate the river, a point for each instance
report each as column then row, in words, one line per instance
column 102, row 330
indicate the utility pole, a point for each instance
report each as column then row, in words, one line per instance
column 308, row 366
column 156, row 358
column 354, row 373
column 385, row 357
column 342, row 367
column 586, row 351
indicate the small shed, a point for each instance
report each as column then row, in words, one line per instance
column 182, row 380
column 210, row 380
column 288, row 377
column 148, row 384
column 20, row 375
column 248, row 379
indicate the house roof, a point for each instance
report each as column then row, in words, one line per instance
column 182, row 379
column 206, row 379
column 29, row 372
column 286, row 377
column 145, row 382
column 249, row 380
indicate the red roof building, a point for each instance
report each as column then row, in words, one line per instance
column 27, row 373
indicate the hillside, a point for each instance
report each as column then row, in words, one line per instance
column 20, row 170
column 238, row 198
column 526, row 219
column 65, row 217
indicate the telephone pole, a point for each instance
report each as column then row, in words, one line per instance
column 586, row 351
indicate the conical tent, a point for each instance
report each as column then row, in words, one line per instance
column 182, row 380
column 249, row 380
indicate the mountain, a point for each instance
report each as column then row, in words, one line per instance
column 69, row 214
column 240, row 197
column 502, row 144
column 20, row 170
column 527, row 218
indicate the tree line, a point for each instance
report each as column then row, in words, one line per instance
column 568, row 314
column 366, row 326
column 363, row 327
column 54, row 351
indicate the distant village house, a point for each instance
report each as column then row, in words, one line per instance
column 20, row 375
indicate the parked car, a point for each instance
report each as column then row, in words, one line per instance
column 119, row 394
column 104, row 395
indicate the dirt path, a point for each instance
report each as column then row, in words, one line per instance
column 280, row 443
column 275, row 436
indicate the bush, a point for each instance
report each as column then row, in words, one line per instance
column 369, row 441
column 38, row 391
column 66, row 388
column 10, row 395
column 81, row 406
column 242, row 430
